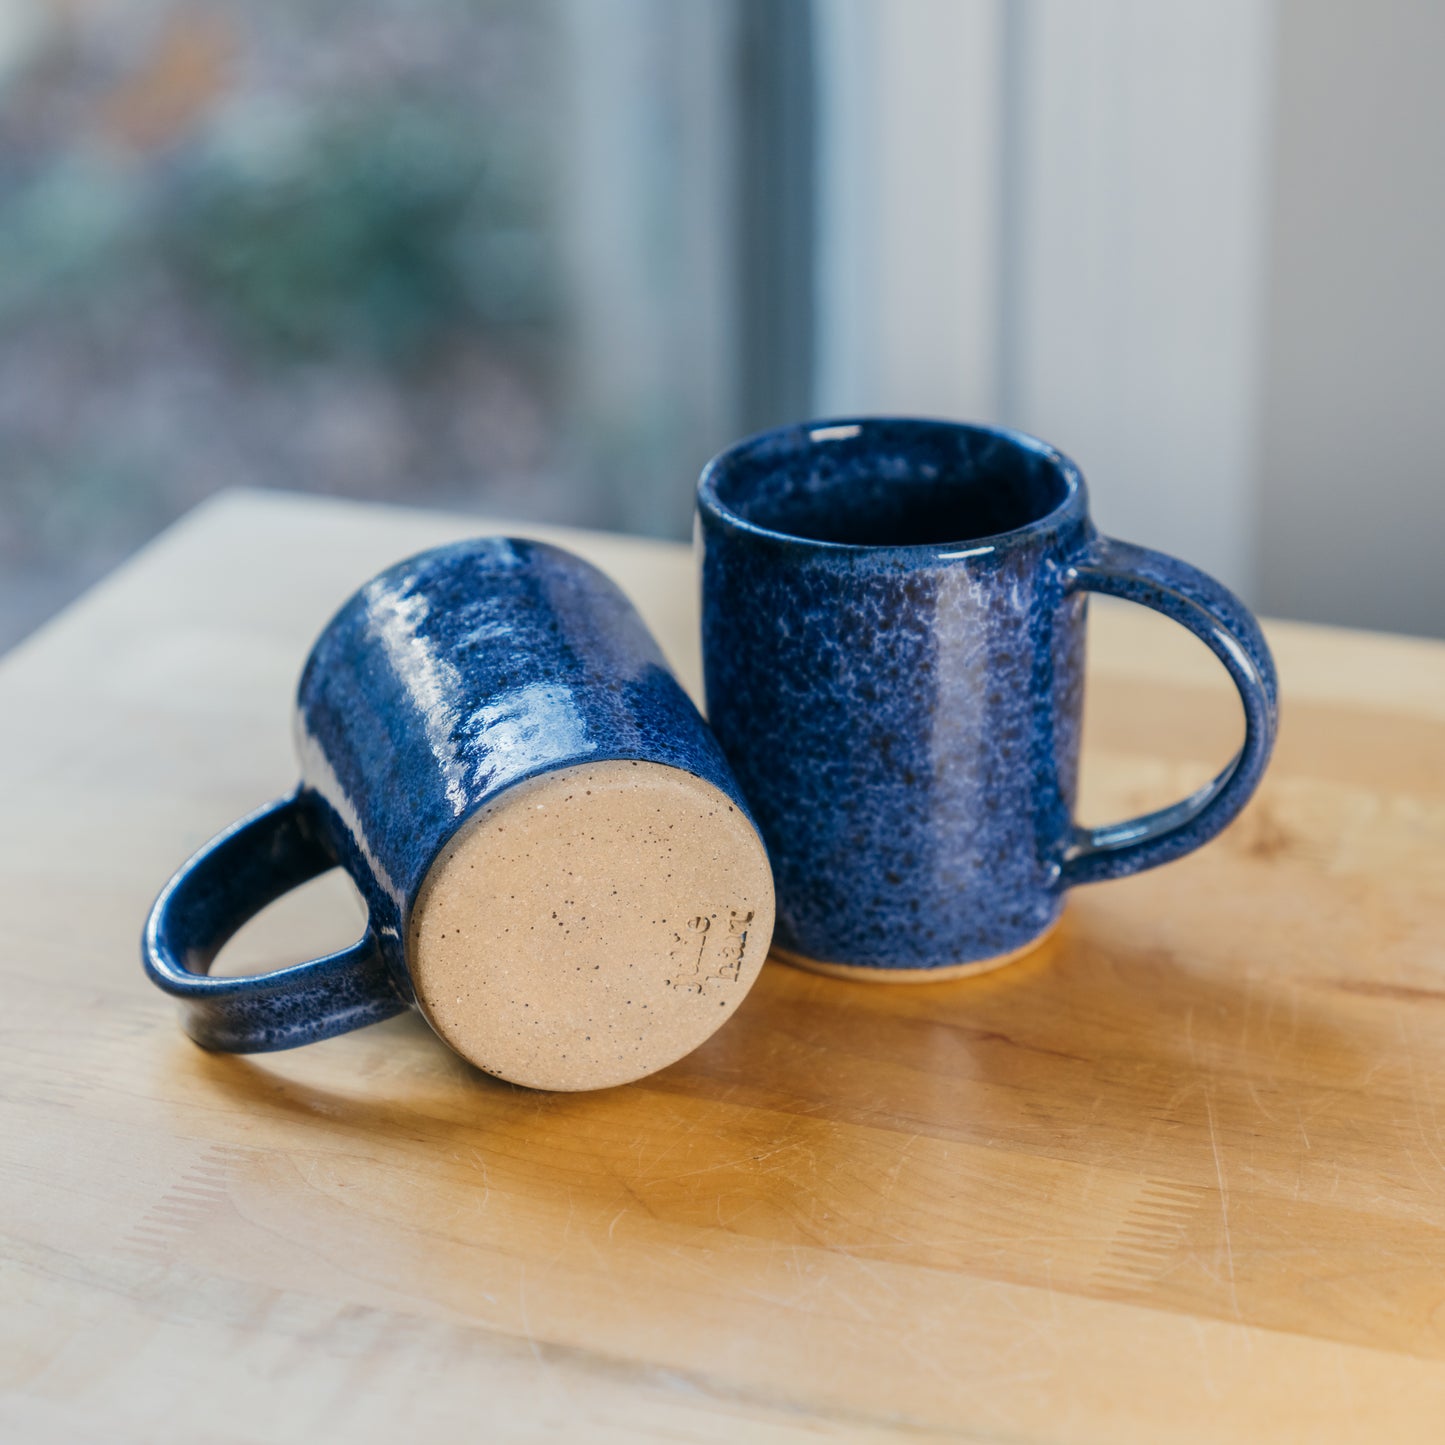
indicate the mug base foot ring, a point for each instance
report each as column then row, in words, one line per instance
column 941, row 974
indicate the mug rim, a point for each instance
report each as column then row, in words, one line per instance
column 796, row 438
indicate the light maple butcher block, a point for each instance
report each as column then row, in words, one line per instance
column 1179, row 1175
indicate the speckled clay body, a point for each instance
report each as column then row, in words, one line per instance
column 559, row 868
column 893, row 637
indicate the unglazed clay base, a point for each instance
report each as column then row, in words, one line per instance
column 915, row 975
column 592, row 925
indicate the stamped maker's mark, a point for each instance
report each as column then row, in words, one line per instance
column 707, row 948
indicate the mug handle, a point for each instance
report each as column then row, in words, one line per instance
column 1223, row 623
column 230, row 880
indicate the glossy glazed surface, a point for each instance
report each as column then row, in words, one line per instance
column 275, row 849
column 445, row 681
column 458, row 673
column 904, row 714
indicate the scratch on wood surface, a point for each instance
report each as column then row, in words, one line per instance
column 891, row 1181
column 526, row 1318
column 1204, row 1354
column 742, row 1161
column 481, row 1164
column 1223, row 1205
column 1420, row 1101
column 1258, row 1103
column 867, row 1267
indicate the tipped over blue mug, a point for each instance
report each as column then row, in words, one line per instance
column 559, row 870
column 893, row 644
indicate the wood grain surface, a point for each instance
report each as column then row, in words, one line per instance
column 1180, row 1175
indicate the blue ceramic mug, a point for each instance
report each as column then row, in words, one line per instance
column 559, row 869
column 893, row 640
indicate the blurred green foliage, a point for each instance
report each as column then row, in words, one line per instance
column 381, row 233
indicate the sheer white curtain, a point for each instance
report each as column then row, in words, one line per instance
column 1054, row 215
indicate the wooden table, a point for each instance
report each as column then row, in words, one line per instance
column 1178, row 1176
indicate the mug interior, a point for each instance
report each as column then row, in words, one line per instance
column 891, row 483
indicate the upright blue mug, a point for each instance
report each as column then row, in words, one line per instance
column 893, row 641
column 559, row 869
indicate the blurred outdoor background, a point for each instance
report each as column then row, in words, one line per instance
column 541, row 258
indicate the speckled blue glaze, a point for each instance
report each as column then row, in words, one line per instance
column 448, row 679
column 893, row 640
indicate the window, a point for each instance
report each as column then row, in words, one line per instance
column 534, row 258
